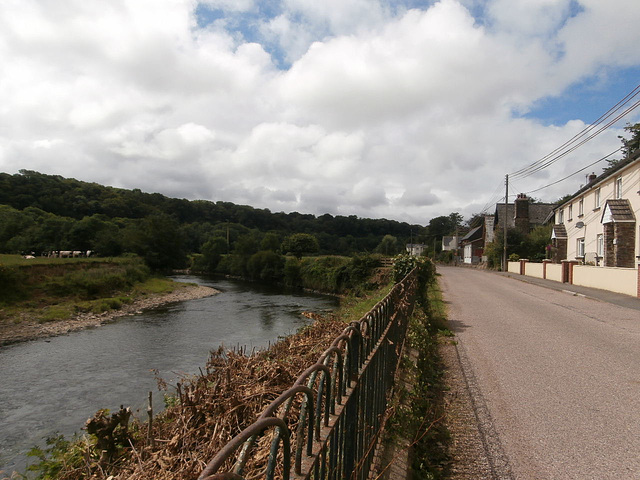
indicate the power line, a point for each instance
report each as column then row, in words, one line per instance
column 607, row 114
column 575, row 173
column 558, row 153
column 575, row 147
column 492, row 198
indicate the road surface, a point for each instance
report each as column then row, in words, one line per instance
column 555, row 378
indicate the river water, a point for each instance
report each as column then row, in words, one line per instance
column 53, row 385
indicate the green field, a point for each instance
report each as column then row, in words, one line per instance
column 51, row 289
column 11, row 260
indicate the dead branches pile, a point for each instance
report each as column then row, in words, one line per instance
column 213, row 407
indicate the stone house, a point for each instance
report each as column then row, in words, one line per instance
column 522, row 215
column 473, row 245
column 598, row 224
column 449, row 243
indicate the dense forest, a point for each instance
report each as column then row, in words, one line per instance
column 41, row 213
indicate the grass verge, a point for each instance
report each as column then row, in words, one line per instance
column 418, row 411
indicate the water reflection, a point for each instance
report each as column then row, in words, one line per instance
column 267, row 318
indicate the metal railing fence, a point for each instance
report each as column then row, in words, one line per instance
column 328, row 423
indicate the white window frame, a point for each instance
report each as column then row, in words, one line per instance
column 618, row 188
column 560, row 216
column 570, row 215
column 581, row 207
column 597, row 198
column 580, row 247
column 600, row 245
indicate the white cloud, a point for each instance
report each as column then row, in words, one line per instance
column 404, row 114
column 527, row 18
column 232, row 5
column 418, row 196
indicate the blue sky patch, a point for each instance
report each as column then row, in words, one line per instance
column 205, row 15
column 247, row 25
column 589, row 99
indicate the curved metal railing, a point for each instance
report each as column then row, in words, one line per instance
column 342, row 401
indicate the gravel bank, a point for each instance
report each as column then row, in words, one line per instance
column 30, row 329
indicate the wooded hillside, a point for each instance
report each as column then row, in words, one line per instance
column 40, row 213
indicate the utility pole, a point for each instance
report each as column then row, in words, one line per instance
column 506, row 204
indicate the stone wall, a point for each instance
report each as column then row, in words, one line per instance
column 619, row 244
column 625, row 245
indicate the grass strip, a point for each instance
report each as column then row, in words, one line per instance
column 418, row 410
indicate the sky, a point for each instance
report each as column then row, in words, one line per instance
column 399, row 109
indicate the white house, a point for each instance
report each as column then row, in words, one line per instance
column 598, row 225
column 416, row 249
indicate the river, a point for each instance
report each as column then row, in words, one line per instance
column 53, row 385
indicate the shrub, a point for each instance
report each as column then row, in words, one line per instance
column 355, row 275
column 266, row 265
column 404, row 264
column 11, row 284
column 322, row 273
column 292, row 269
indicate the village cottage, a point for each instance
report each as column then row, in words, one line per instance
column 522, row 215
column 598, row 227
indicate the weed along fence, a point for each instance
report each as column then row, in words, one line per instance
column 327, row 424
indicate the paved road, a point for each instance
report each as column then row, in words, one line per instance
column 555, row 377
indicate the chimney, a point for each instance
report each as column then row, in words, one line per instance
column 522, row 213
column 592, row 178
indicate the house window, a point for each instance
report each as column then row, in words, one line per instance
column 561, row 215
column 570, row 212
column 580, row 247
column 597, row 199
column 581, row 207
column 600, row 245
column 618, row 188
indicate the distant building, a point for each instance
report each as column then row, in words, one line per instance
column 473, row 245
column 449, row 243
column 416, row 249
column 522, row 215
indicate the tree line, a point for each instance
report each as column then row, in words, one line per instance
column 40, row 213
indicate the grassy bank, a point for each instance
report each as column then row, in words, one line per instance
column 340, row 275
column 418, row 413
column 47, row 290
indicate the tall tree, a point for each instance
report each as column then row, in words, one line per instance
column 388, row 246
column 629, row 146
column 300, row 244
column 160, row 243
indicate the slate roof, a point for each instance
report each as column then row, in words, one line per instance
column 473, row 235
column 449, row 241
column 559, row 231
column 538, row 213
column 620, row 210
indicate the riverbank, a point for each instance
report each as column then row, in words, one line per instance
column 29, row 327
